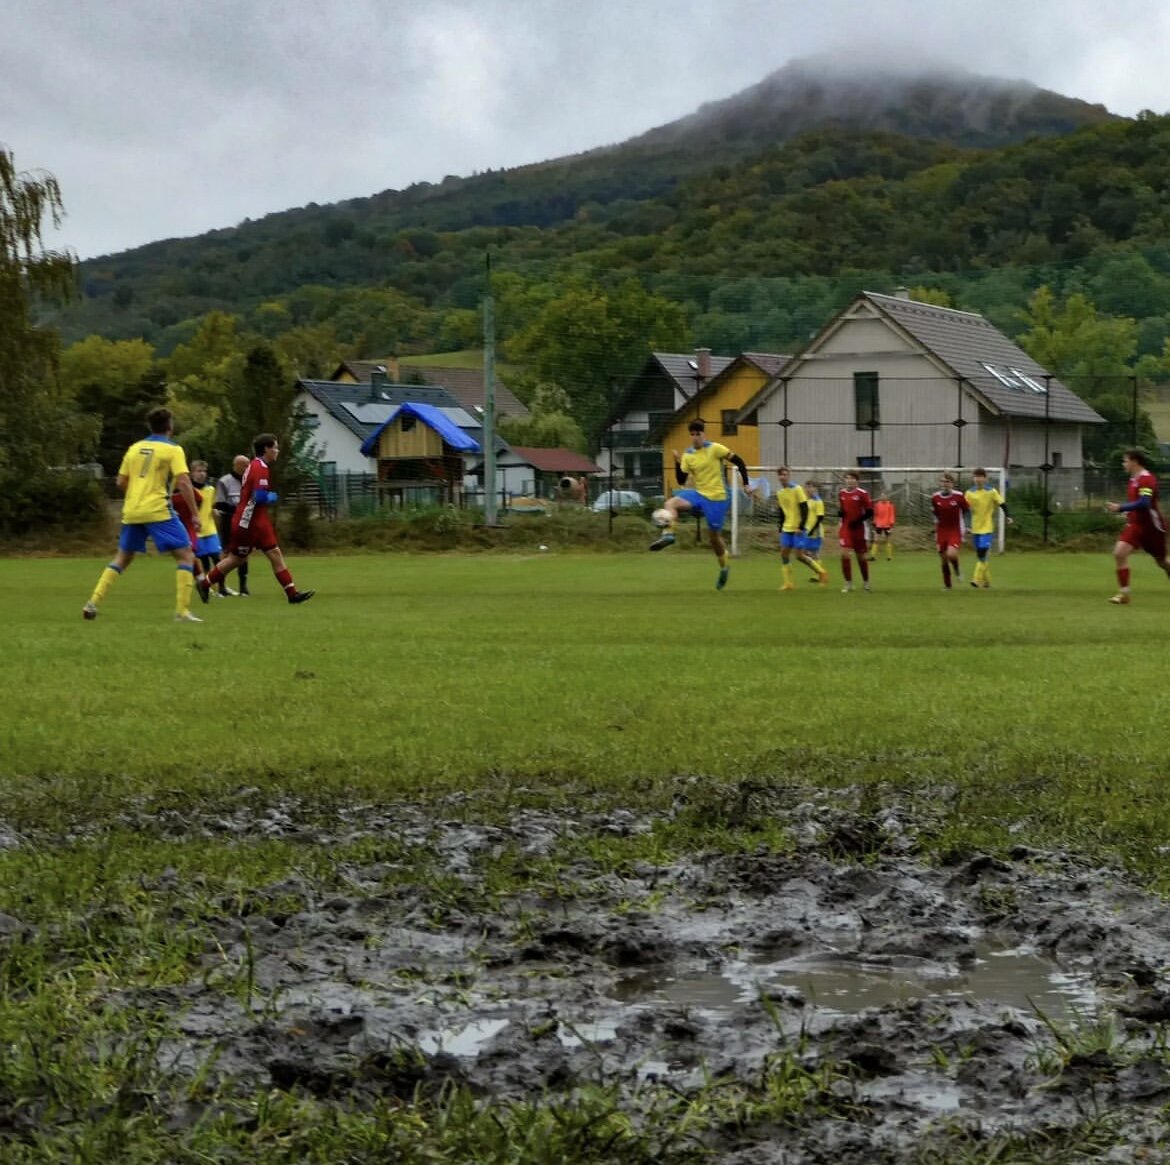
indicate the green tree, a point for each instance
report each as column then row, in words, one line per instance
column 37, row 427
column 550, row 424
column 588, row 339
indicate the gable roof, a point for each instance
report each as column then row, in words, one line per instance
column 967, row 343
column 558, row 460
column 430, row 416
column 466, row 385
column 769, row 363
column 682, row 368
column 362, row 407
column 968, row 346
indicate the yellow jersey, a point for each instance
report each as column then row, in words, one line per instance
column 206, row 495
column 815, row 522
column 150, row 466
column 984, row 503
column 789, row 499
column 704, row 465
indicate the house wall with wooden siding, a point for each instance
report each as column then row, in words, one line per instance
column 417, row 441
column 917, row 407
column 734, row 389
column 1020, row 441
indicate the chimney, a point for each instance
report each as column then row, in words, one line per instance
column 378, row 381
column 901, row 293
column 703, row 362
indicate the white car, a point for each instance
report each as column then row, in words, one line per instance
column 618, row 499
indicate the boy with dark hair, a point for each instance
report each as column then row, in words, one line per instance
column 854, row 509
column 704, row 461
column 1145, row 528
column 252, row 527
column 947, row 507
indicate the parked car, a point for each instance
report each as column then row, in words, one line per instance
column 618, row 499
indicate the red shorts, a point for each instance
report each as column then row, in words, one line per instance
column 948, row 539
column 1146, row 538
column 259, row 535
column 854, row 540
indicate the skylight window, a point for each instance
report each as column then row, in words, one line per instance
column 1030, row 381
column 1005, row 376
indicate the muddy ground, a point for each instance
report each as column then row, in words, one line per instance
column 936, row 1008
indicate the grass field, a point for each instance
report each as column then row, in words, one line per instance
column 411, row 676
column 1033, row 712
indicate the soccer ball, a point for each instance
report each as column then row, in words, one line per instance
column 662, row 517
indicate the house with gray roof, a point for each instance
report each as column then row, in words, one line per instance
column 464, row 384
column 890, row 381
column 631, row 449
column 341, row 416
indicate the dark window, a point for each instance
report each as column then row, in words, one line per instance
column 407, row 420
column 1057, row 460
column 865, row 400
column 869, row 463
column 729, row 425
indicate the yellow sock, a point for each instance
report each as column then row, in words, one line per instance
column 986, row 575
column 786, row 571
column 815, row 563
column 184, row 585
column 724, row 558
column 889, row 551
column 103, row 584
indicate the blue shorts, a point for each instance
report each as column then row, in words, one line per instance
column 168, row 535
column 791, row 540
column 812, row 545
column 982, row 541
column 208, row 544
column 713, row 511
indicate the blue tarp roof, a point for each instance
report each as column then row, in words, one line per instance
column 431, row 416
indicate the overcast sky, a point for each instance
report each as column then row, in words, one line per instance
column 171, row 117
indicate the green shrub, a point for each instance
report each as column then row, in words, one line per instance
column 53, row 500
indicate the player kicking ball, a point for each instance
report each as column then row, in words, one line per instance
column 1144, row 526
column 704, row 463
column 948, row 507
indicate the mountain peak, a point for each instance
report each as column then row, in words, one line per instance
column 882, row 91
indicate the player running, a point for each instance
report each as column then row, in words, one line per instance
column 948, row 507
column 704, row 462
column 145, row 477
column 855, row 510
column 984, row 500
column 252, row 527
column 1144, row 526
column 794, row 511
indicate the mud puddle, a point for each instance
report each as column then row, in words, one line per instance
column 930, row 1005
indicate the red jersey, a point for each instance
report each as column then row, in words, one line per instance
column 189, row 520
column 1144, row 485
column 256, row 476
column 855, row 505
column 948, row 510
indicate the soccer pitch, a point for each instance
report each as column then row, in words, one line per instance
column 414, row 676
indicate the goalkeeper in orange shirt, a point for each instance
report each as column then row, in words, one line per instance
column 884, row 518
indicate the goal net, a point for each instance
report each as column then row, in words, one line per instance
column 754, row 519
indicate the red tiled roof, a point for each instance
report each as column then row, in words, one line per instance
column 556, row 460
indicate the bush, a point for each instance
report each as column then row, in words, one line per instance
column 52, row 500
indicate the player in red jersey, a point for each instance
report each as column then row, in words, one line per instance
column 948, row 506
column 252, row 527
column 1144, row 526
column 854, row 509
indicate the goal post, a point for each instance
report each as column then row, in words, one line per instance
column 754, row 520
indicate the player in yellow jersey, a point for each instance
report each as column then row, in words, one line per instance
column 984, row 501
column 208, row 547
column 794, row 508
column 814, row 533
column 145, row 478
column 704, row 462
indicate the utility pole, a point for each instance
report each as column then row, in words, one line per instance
column 489, row 397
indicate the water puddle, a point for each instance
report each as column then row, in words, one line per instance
column 1017, row 978
column 464, row 1041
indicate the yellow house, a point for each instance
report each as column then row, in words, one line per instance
column 717, row 404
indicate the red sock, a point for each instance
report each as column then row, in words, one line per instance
column 861, row 562
column 284, row 577
column 946, row 569
column 847, row 569
column 213, row 576
column 1123, row 577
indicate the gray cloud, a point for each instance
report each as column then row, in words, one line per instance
column 164, row 117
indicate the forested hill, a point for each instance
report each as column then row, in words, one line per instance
column 427, row 241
